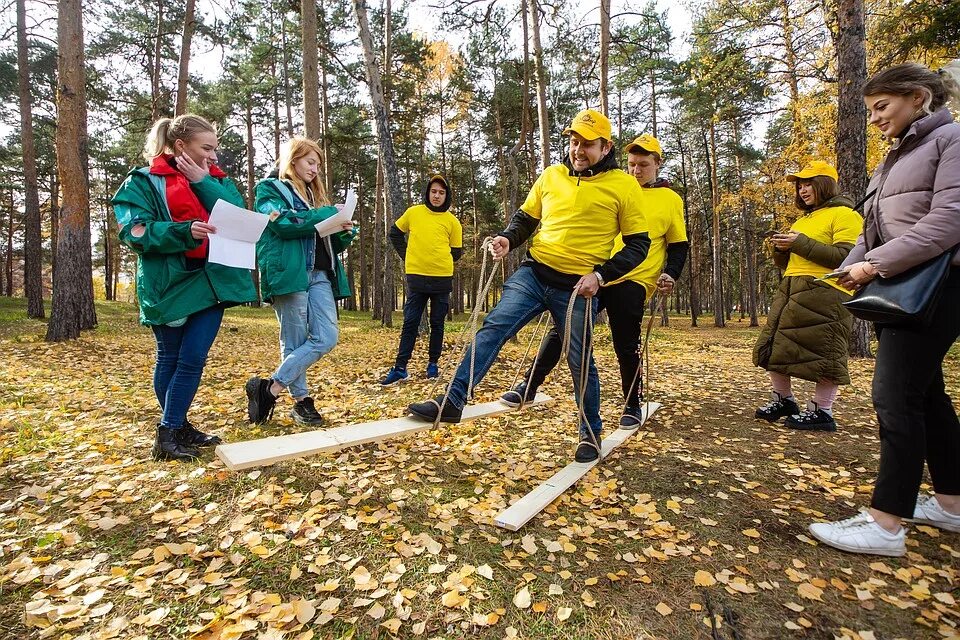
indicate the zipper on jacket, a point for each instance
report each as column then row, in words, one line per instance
column 210, row 282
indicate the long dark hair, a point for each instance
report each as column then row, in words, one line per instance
column 824, row 188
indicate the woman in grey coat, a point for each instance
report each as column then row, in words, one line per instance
column 913, row 216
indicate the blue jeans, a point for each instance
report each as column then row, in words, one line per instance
column 524, row 298
column 308, row 331
column 181, row 355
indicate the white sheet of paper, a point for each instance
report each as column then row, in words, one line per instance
column 238, row 229
column 334, row 222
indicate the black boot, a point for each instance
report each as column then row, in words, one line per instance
column 520, row 394
column 777, row 408
column 428, row 410
column 305, row 412
column 190, row 436
column 260, row 402
column 167, row 446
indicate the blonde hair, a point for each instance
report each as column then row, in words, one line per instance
column 166, row 131
column 314, row 193
column 938, row 87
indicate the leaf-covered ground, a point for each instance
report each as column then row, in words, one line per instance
column 700, row 517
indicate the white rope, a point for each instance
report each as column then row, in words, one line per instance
column 586, row 352
column 484, row 283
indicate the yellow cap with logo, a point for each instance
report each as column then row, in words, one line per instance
column 646, row 143
column 590, row 124
column 812, row 169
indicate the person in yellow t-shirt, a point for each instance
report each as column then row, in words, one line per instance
column 625, row 298
column 429, row 239
column 580, row 207
column 808, row 330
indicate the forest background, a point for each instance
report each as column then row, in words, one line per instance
column 756, row 88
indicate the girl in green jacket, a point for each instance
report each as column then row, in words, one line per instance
column 162, row 212
column 301, row 275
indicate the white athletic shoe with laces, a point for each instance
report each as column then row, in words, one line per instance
column 929, row 511
column 860, row 534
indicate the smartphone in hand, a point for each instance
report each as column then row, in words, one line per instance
column 831, row 276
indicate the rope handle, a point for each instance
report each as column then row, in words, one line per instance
column 484, row 282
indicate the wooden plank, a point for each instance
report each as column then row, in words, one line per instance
column 521, row 511
column 265, row 451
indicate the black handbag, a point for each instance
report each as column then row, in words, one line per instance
column 906, row 299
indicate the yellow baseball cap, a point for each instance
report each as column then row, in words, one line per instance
column 590, row 124
column 812, row 169
column 646, row 143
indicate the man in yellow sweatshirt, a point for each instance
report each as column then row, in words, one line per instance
column 429, row 239
column 581, row 207
column 625, row 298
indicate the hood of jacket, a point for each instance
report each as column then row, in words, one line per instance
column 836, row 201
column 446, row 201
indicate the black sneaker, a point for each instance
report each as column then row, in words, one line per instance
column 166, row 446
column 586, row 450
column 190, row 436
column 519, row 394
column 777, row 408
column 813, row 418
column 632, row 418
column 428, row 410
column 260, row 401
column 304, row 412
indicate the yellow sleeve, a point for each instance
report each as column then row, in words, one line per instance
column 456, row 234
column 403, row 222
column 847, row 226
column 678, row 226
column 533, row 205
column 632, row 220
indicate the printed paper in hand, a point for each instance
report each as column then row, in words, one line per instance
column 334, row 222
column 235, row 242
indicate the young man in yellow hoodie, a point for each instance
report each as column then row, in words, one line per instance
column 625, row 298
column 429, row 239
column 581, row 206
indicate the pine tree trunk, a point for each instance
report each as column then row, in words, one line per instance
column 718, row 302
column 72, row 309
column 311, row 78
column 394, row 199
column 325, row 106
column 8, row 263
column 604, row 54
column 32, row 254
column 543, row 115
column 377, row 241
column 183, row 75
column 287, row 90
column 851, row 148
column 54, row 218
column 155, row 111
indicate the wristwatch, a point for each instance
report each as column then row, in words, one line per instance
column 599, row 277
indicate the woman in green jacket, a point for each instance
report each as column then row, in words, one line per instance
column 301, row 275
column 162, row 212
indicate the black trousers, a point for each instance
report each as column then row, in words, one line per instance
column 624, row 303
column 413, row 309
column 916, row 416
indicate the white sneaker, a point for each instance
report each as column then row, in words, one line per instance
column 860, row 534
column 929, row 511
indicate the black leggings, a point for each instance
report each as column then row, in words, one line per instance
column 624, row 303
column 916, row 416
